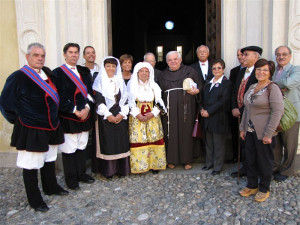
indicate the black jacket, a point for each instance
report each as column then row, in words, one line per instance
column 70, row 96
column 209, row 76
column 234, row 73
column 22, row 98
column 217, row 103
column 252, row 80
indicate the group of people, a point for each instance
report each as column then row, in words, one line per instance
column 143, row 119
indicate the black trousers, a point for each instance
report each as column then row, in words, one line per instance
column 74, row 167
column 260, row 159
column 235, row 136
column 243, row 156
column 49, row 183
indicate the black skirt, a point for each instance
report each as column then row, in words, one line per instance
column 35, row 140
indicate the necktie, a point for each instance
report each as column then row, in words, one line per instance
column 279, row 73
column 247, row 70
column 203, row 64
column 72, row 68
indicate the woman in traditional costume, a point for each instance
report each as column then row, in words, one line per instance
column 147, row 147
column 111, row 106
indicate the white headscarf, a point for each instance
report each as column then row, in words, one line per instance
column 136, row 84
column 101, row 82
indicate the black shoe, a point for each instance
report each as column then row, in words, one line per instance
column 275, row 173
column 42, row 208
column 215, row 173
column 232, row 161
column 279, row 177
column 59, row 191
column 155, row 171
column 235, row 174
column 206, row 167
column 87, row 179
column 75, row 188
column 62, row 192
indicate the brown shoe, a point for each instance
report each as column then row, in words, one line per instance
column 261, row 197
column 245, row 192
column 188, row 167
column 171, row 166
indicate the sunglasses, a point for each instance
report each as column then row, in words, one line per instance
column 217, row 68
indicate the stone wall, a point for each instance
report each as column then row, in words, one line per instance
column 9, row 60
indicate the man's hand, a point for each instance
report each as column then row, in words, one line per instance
column 194, row 91
column 242, row 135
column 84, row 113
column 204, row 113
column 236, row 112
column 77, row 113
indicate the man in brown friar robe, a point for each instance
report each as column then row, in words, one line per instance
column 182, row 111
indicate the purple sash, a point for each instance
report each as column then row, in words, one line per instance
column 41, row 83
column 76, row 80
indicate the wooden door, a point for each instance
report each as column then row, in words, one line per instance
column 213, row 27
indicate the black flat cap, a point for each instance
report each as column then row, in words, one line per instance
column 252, row 48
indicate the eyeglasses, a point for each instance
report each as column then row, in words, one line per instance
column 282, row 54
column 217, row 68
column 262, row 70
column 247, row 53
column 144, row 71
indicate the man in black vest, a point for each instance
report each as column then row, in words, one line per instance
column 30, row 101
column 74, row 86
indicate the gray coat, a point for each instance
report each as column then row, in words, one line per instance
column 290, row 79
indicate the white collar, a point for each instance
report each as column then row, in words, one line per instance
column 250, row 69
column 70, row 67
column 206, row 63
column 218, row 81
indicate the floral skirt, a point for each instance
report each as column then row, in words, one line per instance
column 147, row 147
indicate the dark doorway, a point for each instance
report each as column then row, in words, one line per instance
column 139, row 27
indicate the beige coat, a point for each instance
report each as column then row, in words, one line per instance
column 265, row 112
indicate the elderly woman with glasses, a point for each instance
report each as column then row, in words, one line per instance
column 215, row 112
column 263, row 110
column 147, row 147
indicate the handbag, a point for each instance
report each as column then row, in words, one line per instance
column 289, row 116
column 197, row 131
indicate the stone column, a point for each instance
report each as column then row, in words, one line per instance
column 55, row 23
column 294, row 30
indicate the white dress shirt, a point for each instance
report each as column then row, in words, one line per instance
column 204, row 68
column 246, row 75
